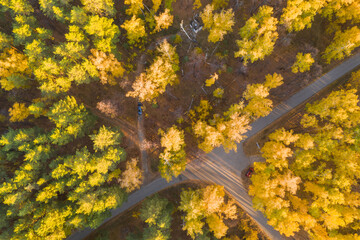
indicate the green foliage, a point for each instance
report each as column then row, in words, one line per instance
column 303, row 63
column 18, row 6
column 258, row 36
column 71, row 120
column 50, row 196
column 104, row 33
column 105, row 138
column 6, row 41
column 78, row 16
column 207, row 204
column 177, row 39
column 57, row 9
column 218, row 24
column 309, row 178
column 156, row 213
column 173, row 157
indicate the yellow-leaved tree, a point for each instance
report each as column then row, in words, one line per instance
column 14, row 69
column 308, row 179
column 135, row 29
column 161, row 72
column 258, row 36
column 108, row 66
column 173, row 157
column 18, row 112
column 163, row 20
column 303, row 63
column 218, row 24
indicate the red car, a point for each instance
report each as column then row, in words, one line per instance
column 249, row 172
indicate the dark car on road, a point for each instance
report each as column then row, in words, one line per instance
column 249, row 172
column 139, row 108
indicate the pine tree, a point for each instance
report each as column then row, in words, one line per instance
column 156, row 212
column 105, row 138
column 104, row 33
column 71, row 120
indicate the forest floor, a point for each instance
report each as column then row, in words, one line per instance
column 129, row 221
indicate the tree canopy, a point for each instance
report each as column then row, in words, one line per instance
column 258, row 36
column 307, row 179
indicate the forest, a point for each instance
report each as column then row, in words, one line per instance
column 73, row 75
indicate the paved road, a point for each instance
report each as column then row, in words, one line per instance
column 225, row 168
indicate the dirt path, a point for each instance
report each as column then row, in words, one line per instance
column 144, row 156
column 226, row 168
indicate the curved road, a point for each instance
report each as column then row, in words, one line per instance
column 225, row 168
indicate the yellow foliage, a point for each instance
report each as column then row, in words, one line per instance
column 218, row 24
column 135, row 6
column 218, row 93
column 173, row 139
column 303, row 63
column 163, row 20
column 18, row 112
column 209, row 82
column 13, row 69
column 108, row 66
column 135, row 29
column 197, row 4
column 156, row 5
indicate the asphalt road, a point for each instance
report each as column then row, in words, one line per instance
column 225, row 168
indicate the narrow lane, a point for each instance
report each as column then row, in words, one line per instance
column 143, row 153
